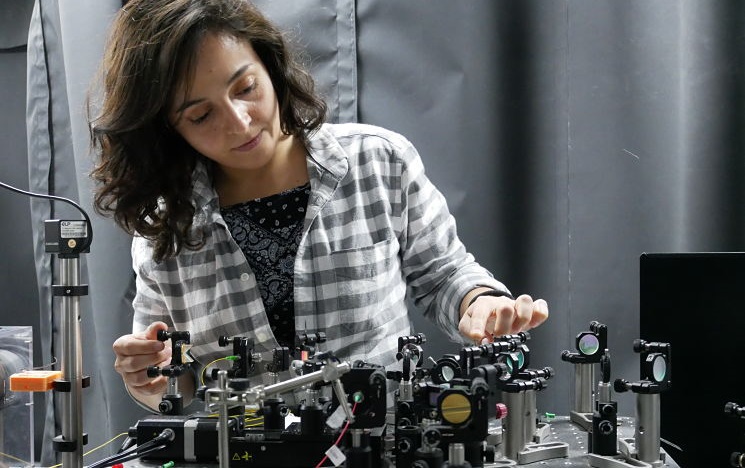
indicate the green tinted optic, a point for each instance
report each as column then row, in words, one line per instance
column 659, row 369
column 589, row 344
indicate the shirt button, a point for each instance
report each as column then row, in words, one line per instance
column 244, row 276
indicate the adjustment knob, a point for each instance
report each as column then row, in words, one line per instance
column 605, row 427
column 165, row 406
column 403, row 445
column 620, row 385
column 607, row 410
column 501, row 410
column 733, row 409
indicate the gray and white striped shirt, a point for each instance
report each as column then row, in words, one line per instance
column 376, row 232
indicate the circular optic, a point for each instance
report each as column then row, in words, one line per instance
column 508, row 361
column 589, row 344
column 415, row 353
column 447, row 373
column 520, row 360
column 659, row 368
column 445, row 370
column 512, row 360
column 455, row 408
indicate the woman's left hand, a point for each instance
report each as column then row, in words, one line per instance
column 490, row 316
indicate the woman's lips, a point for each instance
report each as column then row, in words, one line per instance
column 251, row 144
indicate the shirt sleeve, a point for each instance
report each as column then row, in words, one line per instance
column 439, row 271
column 148, row 303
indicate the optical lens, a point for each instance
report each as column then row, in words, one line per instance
column 589, row 344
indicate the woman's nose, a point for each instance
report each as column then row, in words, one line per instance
column 239, row 118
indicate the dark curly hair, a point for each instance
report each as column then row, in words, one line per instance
column 144, row 168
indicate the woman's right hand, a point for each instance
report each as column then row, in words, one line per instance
column 134, row 354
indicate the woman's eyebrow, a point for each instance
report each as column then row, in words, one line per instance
column 240, row 71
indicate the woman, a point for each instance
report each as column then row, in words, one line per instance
column 252, row 217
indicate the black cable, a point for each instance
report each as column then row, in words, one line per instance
column 89, row 239
column 129, row 456
column 113, row 459
column 127, row 444
column 153, row 445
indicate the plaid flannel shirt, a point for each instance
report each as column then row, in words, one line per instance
column 376, row 231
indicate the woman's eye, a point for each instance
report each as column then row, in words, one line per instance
column 200, row 119
column 247, row 89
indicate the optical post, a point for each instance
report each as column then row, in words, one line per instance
column 591, row 346
column 68, row 239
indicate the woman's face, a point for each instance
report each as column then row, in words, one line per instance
column 231, row 113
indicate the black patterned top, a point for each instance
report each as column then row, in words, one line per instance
column 268, row 231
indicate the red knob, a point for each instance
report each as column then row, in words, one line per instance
column 501, row 410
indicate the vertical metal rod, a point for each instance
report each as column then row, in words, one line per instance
column 584, row 379
column 604, row 391
column 513, row 425
column 647, row 436
column 222, row 423
column 72, row 408
column 530, row 415
column 456, row 454
column 172, row 386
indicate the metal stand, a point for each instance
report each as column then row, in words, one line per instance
column 590, row 348
column 218, row 398
column 519, row 428
column 68, row 239
column 222, row 398
column 582, row 412
column 172, row 402
column 656, row 378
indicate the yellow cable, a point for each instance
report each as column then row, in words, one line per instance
column 44, row 366
column 14, row 458
column 105, row 443
column 94, row 449
column 204, row 369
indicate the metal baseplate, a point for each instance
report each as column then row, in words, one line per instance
column 602, row 461
column 539, row 452
column 583, row 420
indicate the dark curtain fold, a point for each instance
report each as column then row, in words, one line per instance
column 49, row 171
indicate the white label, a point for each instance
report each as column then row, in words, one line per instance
column 337, row 418
column 73, row 229
column 335, row 455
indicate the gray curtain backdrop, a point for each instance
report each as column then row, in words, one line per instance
column 569, row 136
column 19, row 298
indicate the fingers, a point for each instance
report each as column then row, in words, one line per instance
column 138, row 363
column 524, row 307
column 136, row 352
column 136, row 345
column 485, row 315
column 540, row 313
column 494, row 316
column 151, row 333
